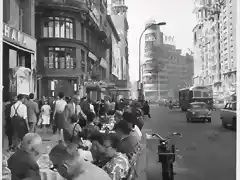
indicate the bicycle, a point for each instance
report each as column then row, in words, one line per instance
column 166, row 155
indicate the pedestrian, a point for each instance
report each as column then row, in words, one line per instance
column 146, row 110
column 58, row 114
column 32, row 112
column 8, row 125
column 45, row 116
column 19, row 121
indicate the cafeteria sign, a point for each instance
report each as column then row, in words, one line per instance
column 13, row 35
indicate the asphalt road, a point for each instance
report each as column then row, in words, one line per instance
column 207, row 151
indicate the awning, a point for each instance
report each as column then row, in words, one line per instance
column 92, row 56
column 18, row 47
column 103, row 63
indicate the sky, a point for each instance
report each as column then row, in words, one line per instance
column 176, row 13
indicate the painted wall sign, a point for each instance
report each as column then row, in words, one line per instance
column 13, row 35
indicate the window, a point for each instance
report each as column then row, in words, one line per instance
column 59, row 58
column 21, row 19
column 88, row 37
column 83, row 62
column 58, row 27
column 82, row 32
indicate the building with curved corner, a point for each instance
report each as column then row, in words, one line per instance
column 73, row 40
column 151, row 39
column 164, row 69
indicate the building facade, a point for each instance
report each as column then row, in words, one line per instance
column 19, row 48
column 73, row 47
column 118, row 13
column 164, row 69
column 215, row 46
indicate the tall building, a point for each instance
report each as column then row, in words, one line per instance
column 118, row 13
column 19, row 48
column 215, row 46
column 73, row 47
column 164, row 69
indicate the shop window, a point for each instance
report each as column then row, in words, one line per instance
column 59, row 58
column 57, row 27
column 83, row 62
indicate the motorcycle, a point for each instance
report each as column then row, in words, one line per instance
column 166, row 155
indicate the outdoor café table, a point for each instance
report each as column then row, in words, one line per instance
column 48, row 174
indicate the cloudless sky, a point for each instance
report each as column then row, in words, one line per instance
column 176, row 13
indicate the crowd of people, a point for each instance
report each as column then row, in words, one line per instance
column 95, row 139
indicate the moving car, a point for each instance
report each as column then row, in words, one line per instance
column 198, row 111
column 228, row 115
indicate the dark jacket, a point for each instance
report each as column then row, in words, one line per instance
column 146, row 109
column 23, row 165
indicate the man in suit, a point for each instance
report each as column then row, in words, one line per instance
column 23, row 163
column 32, row 112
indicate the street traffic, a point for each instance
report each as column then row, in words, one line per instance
column 206, row 150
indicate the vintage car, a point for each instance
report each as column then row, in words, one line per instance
column 198, row 111
column 228, row 115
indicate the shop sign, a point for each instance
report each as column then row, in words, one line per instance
column 103, row 63
column 13, row 35
column 92, row 56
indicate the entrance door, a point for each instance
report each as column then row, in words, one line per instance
column 66, row 86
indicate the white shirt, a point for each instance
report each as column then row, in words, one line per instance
column 21, row 110
column 136, row 128
column 92, row 108
column 46, row 110
column 60, row 105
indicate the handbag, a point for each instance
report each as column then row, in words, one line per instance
column 40, row 121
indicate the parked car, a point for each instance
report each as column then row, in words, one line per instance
column 228, row 115
column 198, row 111
column 218, row 104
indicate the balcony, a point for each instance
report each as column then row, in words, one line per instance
column 73, row 5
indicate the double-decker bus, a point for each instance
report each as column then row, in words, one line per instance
column 195, row 94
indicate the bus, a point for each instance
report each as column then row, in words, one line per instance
column 195, row 94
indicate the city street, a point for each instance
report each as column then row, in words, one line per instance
column 207, row 151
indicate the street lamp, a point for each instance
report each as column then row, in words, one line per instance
column 139, row 51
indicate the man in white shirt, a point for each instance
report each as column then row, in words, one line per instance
column 19, row 120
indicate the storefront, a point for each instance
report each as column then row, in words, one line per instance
column 19, row 63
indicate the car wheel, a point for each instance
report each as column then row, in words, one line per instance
column 209, row 120
column 224, row 124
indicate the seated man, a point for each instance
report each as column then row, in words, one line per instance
column 128, row 143
column 105, row 146
column 71, row 166
column 23, row 163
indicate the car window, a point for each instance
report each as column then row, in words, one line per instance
column 234, row 106
column 227, row 106
column 198, row 106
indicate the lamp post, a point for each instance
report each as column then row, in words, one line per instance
column 139, row 55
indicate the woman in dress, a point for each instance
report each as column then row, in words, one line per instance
column 45, row 115
column 59, row 115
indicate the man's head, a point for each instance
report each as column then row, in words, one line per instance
column 130, row 117
column 31, row 96
column 21, row 97
column 61, row 95
column 122, row 128
column 76, row 99
column 66, row 159
column 104, row 145
column 32, row 143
